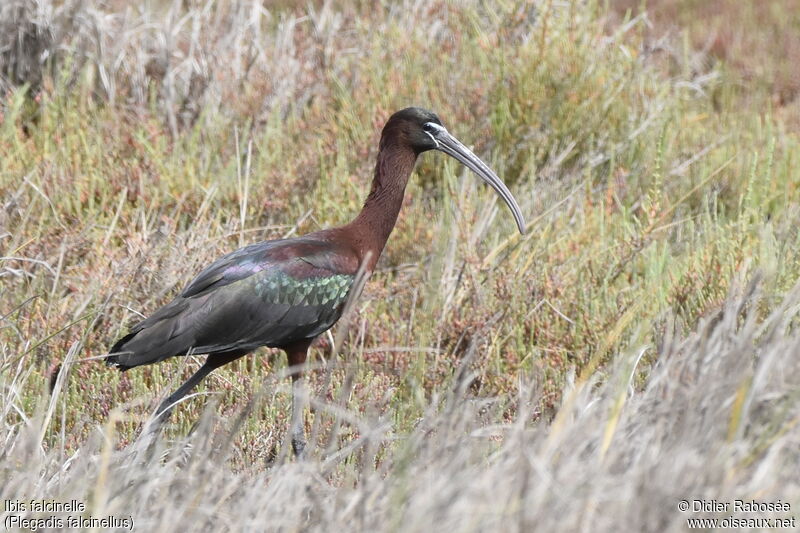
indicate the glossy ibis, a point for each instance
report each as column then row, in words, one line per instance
column 284, row 293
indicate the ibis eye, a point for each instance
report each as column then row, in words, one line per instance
column 431, row 127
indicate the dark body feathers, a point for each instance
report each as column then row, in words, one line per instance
column 272, row 294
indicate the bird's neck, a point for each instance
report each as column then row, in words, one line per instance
column 373, row 225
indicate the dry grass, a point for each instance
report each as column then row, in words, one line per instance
column 716, row 418
column 579, row 377
column 757, row 43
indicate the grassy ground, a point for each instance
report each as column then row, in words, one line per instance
column 582, row 376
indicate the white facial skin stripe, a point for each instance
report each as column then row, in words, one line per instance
column 433, row 139
column 436, row 127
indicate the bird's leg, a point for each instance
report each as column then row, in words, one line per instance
column 299, row 395
column 213, row 361
column 297, row 354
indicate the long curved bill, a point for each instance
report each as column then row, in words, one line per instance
column 451, row 146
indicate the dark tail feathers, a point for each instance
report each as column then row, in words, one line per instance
column 116, row 350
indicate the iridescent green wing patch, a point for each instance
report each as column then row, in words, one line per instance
column 279, row 288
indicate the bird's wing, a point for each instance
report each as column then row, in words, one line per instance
column 270, row 293
column 300, row 258
column 235, row 266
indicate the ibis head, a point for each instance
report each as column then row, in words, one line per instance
column 422, row 130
